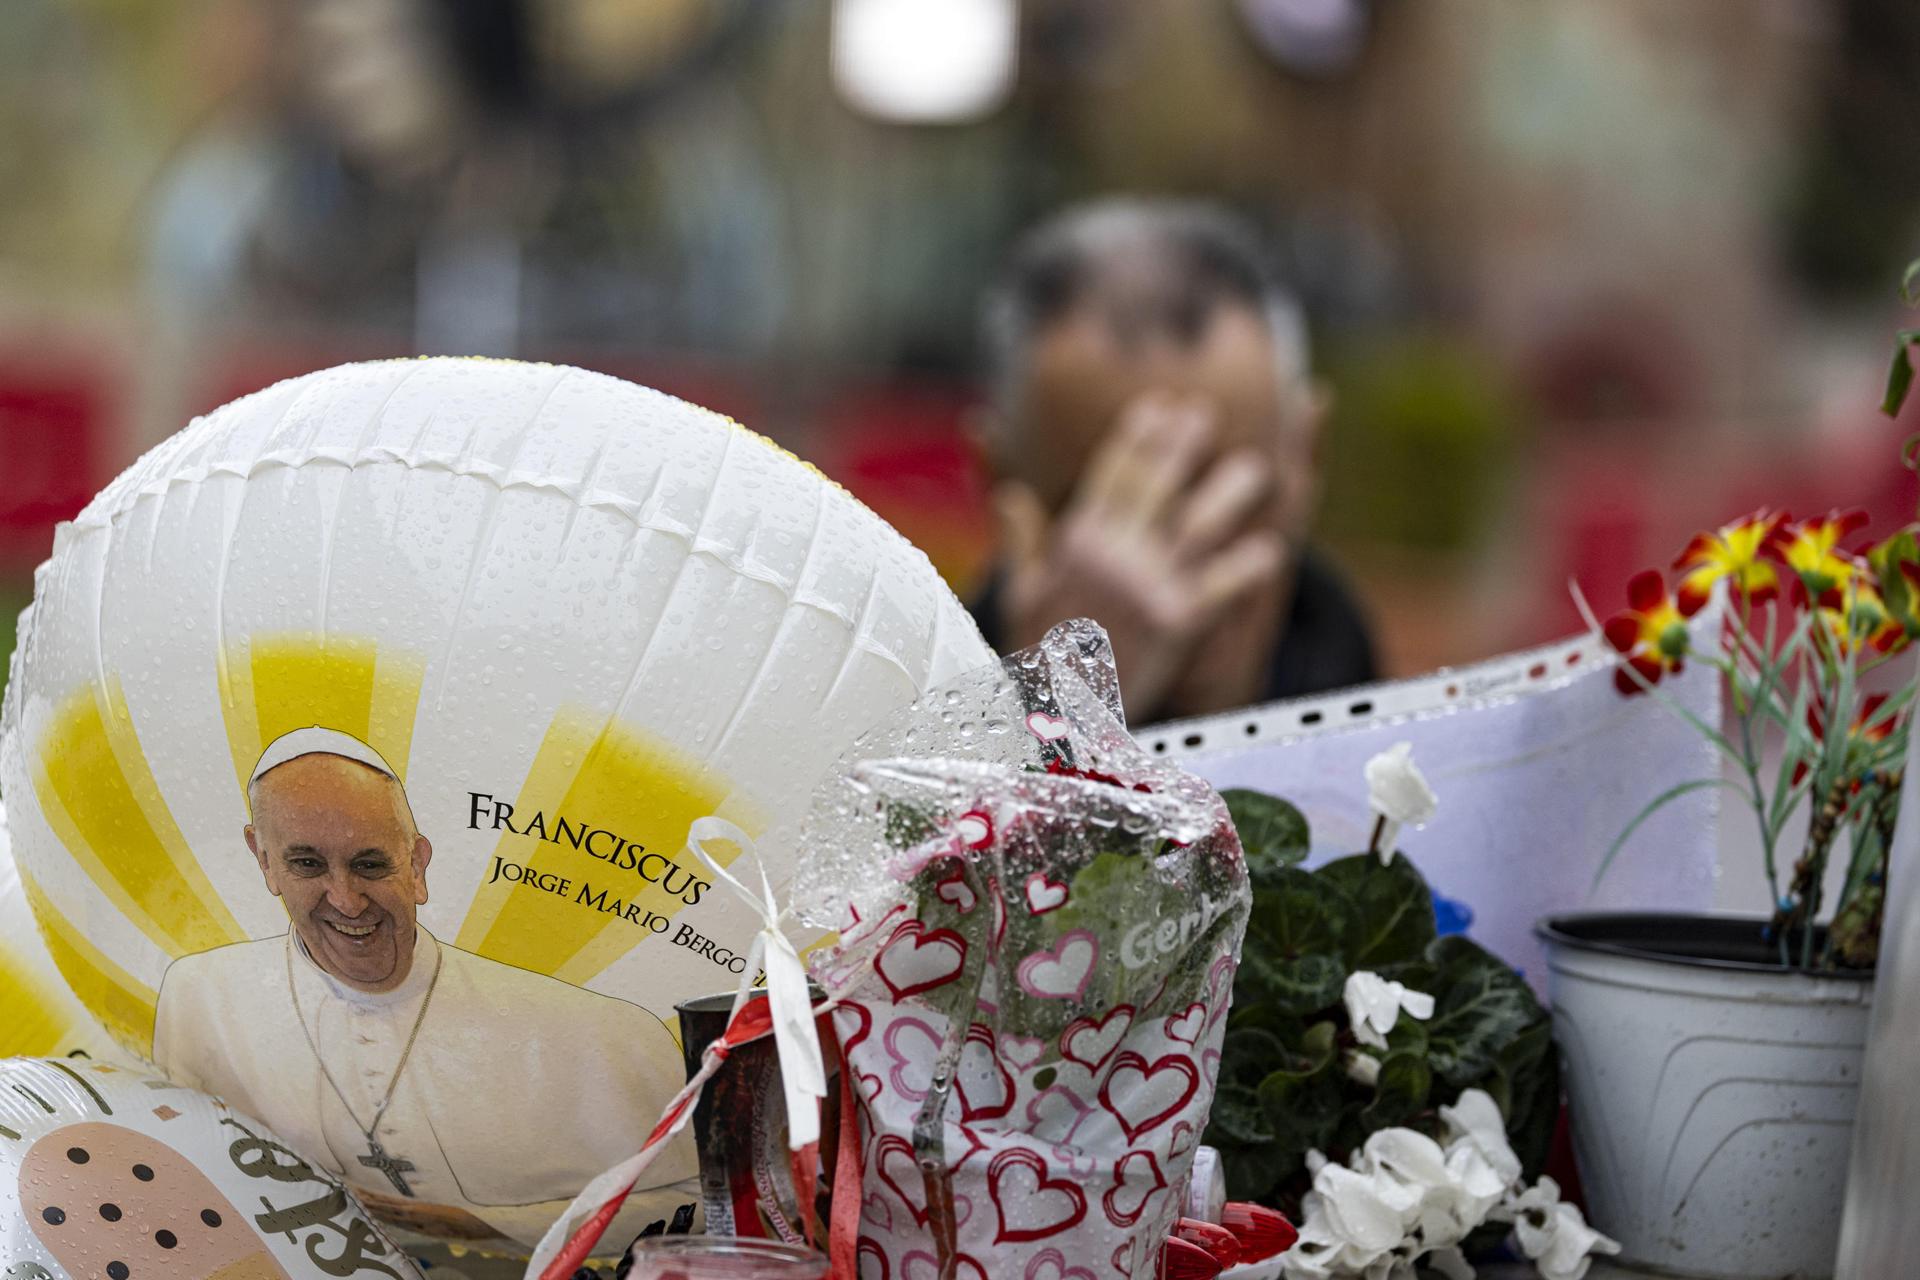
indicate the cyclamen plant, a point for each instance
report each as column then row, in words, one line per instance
column 1392, row 1089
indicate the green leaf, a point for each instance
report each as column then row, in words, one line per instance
column 1305, row 1112
column 1400, row 1094
column 1313, row 1055
column 1291, row 987
column 1409, row 1035
column 1109, row 894
column 1252, row 1171
column 1300, row 914
column 1240, row 1116
column 1530, row 1069
column 1497, row 1086
column 1249, row 1054
column 1899, row 379
column 1481, row 1006
column 1653, row 806
column 1901, row 548
column 1393, row 910
column 1273, row 832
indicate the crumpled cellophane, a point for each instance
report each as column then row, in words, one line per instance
column 1039, row 927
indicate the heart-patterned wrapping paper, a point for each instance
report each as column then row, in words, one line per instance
column 1026, row 898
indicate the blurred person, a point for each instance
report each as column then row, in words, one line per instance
column 1154, row 435
column 475, row 177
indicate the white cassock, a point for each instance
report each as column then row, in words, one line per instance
column 520, row 1089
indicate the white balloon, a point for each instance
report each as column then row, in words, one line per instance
column 568, row 615
column 38, row 1015
column 107, row 1172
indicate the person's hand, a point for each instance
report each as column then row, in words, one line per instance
column 1145, row 549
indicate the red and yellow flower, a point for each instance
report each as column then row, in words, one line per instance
column 1896, row 567
column 1734, row 553
column 1863, row 732
column 1650, row 634
column 1811, row 549
column 1856, row 613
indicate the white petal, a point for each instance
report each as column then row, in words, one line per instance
column 1396, row 789
column 1533, row 1240
column 1361, row 1068
column 1410, row 1156
column 1475, row 1173
column 1358, row 1211
column 1475, row 1114
column 1566, row 1244
column 1314, row 1255
column 1475, row 1119
column 1450, row 1263
column 1388, row 840
column 1372, row 1006
column 1541, row 1196
column 1365, row 990
column 1296, row 1265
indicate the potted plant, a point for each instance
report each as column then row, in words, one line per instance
column 1391, row 1089
column 1712, row 1063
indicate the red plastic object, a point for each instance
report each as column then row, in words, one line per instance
column 1216, row 1240
column 1262, row 1232
column 1180, row 1260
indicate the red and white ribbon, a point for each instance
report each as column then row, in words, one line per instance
column 787, row 1014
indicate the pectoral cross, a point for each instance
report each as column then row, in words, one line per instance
column 392, row 1166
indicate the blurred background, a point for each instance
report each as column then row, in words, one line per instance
column 1584, row 277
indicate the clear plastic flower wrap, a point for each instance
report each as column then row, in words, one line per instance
column 1039, row 927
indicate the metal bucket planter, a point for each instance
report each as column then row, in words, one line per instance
column 1712, row 1091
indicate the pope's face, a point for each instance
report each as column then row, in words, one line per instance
column 337, row 845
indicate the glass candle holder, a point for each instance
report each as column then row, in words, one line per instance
column 723, row 1258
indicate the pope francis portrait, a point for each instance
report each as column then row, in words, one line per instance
column 459, row 1096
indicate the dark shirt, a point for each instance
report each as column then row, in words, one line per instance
column 1324, row 645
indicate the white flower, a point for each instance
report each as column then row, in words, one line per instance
column 1412, row 1157
column 1398, row 792
column 1458, row 1188
column 1374, row 1217
column 1330, row 1247
column 1554, row 1235
column 1368, row 1210
column 1474, row 1121
column 1374, row 1004
column 1317, row 1251
column 1446, row 1211
column 1361, row 1068
column 1403, row 1200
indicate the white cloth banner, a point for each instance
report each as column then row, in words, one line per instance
column 1539, row 764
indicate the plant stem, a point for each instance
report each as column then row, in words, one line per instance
column 1802, row 904
column 1854, row 935
column 1750, row 764
column 1745, row 708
